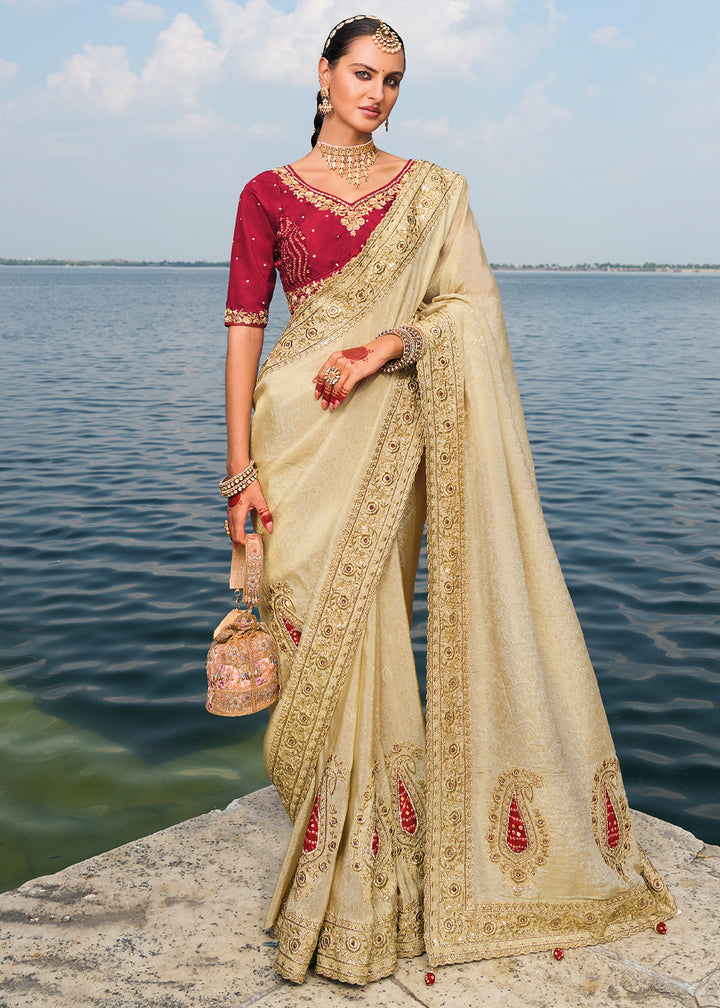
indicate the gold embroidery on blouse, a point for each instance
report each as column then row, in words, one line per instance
column 344, row 298
column 238, row 316
column 296, row 297
column 352, row 215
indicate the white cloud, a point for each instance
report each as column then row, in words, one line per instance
column 8, row 70
column 610, row 38
column 99, row 77
column 460, row 37
column 136, row 10
column 183, row 60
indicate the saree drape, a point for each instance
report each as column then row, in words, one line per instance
column 498, row 823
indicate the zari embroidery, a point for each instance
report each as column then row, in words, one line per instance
column 296, row 297
column 323, row 830
column 283, row 617
column 328, row 638
column 406, row 766
column 342, row 300
column 238, row 316
column 440, row 375
column 518, row 837
column 293, row 263
column 352, row 215
column 610, row 817
column 349, row 950
column 371, row 838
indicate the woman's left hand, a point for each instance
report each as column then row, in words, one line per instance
column 353, row 365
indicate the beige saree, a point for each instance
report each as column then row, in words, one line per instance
column 497, row 824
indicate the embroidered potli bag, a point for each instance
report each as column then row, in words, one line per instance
column 242, row 663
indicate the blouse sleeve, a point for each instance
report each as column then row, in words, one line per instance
column 252, row 267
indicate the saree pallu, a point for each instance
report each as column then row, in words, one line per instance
column 498, row 823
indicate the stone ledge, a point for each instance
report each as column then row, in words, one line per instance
column 173, row 921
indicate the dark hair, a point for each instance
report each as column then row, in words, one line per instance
column 338, row 43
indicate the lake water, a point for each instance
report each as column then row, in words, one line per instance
column 115, row 560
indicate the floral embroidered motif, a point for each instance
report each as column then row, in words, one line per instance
column 282, row 616
column 323, row 829
column 371, row 838
column 296, row 297
column 238, row 316
column 610, row 817
column 518, row 837
column 408, row 816
column 311, row 834
column 406, row 767
column 352, row 215
column 293, row 631
column 611, row 822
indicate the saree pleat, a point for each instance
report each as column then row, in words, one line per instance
column 521, row 838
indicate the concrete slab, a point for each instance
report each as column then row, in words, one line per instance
column 173, row 921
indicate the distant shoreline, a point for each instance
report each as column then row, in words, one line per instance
column 607, row 267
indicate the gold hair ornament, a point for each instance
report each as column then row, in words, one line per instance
column 384, row 38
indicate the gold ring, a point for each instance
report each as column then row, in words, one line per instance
column 227, row 529
column 331, row 376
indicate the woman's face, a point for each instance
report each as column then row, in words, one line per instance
column 363, row 84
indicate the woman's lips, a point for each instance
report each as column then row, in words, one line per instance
column 374, row 112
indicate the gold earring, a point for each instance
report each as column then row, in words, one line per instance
column 324, row 108
column 387, row 124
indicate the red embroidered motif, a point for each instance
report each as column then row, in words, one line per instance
column 408, row 815
column 293, row 631
column 311, row 835
column 375, row 844
column 613, row 829
column 517, row 838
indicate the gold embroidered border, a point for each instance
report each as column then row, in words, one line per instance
column 449, row 815
column 329, row 637
column 351, row 951
column 497, row 929
column 352, row 215
column 347, row 296
column 238, row 316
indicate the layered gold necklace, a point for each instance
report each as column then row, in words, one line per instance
column 351, row 163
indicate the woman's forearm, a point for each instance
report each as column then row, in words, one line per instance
column 241, row 365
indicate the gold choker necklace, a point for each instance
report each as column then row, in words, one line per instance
column 351, row 163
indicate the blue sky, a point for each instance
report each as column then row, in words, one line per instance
column 587, row 131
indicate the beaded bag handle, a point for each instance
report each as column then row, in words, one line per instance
column 246, row 571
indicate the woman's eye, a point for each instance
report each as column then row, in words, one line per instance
column 392, row 82
column 362, row 74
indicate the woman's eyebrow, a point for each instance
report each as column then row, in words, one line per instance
column 364, row 66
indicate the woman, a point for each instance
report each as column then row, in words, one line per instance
column 499, row 823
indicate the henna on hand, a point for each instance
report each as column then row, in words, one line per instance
column 357, row 353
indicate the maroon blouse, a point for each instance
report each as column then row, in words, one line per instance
column 305, row 234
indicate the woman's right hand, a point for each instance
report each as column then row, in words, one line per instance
column 239, row 506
